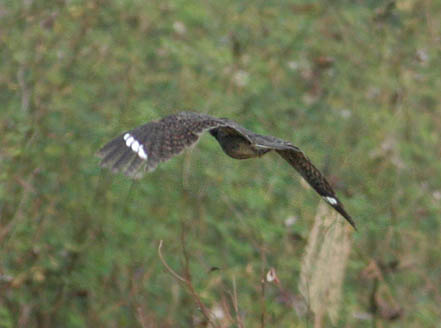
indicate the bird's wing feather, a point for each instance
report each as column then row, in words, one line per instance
column 143, row 148
column 297, row 159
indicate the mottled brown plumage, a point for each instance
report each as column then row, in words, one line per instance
column 144, row 147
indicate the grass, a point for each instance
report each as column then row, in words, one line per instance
column 354, row 84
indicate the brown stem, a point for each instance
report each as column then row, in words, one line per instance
column 187, row 282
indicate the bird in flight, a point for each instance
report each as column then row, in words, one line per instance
column 139, row 150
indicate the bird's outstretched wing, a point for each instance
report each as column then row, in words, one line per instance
column 315, row 178
column 143, row 148
column 297, row 159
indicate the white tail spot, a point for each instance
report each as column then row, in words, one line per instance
column 135, row 146
column 129, row 141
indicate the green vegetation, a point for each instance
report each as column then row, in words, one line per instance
column 356, row 84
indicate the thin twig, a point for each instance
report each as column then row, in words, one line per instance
column 170, row 270
column 262, row 315
column 262, row 285
column 236, row 305
column 196, row 297
column 188, row 284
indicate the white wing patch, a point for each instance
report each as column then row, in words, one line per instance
column 136, row 146
column 330, row 200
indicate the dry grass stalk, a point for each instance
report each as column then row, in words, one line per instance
column 186, row 280
column 324, row 263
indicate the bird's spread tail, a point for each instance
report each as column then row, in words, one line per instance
column 124, row 154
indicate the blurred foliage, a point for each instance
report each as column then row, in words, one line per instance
column 356, row 84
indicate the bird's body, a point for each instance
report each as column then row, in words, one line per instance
column 236, row 146
column 144, row 147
